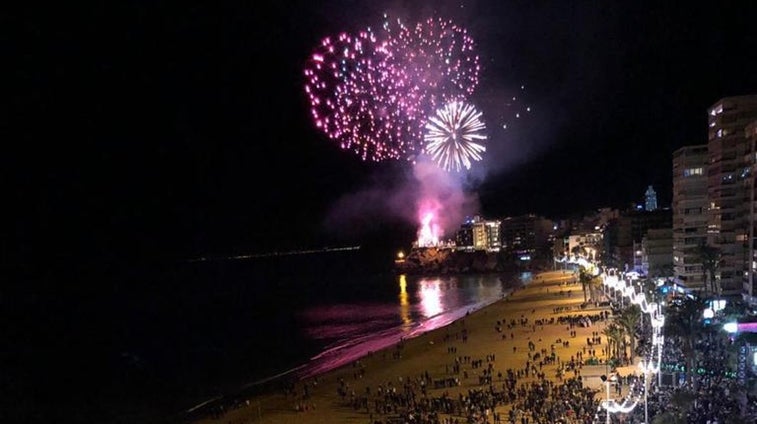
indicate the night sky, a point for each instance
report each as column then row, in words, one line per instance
column 152, row 130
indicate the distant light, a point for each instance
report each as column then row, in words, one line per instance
column 731, row 327
column 708, row 313
column 718, row 305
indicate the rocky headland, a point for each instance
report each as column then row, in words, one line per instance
column 433, row 260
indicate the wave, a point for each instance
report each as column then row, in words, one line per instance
column 360, row 346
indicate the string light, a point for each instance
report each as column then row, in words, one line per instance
column 624, row 285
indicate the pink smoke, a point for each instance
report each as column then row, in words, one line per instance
column 433, row 200
column 441, row 204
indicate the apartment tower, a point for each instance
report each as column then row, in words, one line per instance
column 689, row 214
column 730, row 207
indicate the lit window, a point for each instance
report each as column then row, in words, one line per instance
column 693, row 171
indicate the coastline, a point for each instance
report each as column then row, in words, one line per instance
column 353, row 350
column 316, row 396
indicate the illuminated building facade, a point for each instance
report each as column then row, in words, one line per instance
column 524, row 236
column 657, row 252
column 479, row 234
column 650, row 199
column 729, row 176
column 750, row 277
column 627, row 232
column 689, row 214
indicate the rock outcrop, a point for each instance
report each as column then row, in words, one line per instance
column 447, row 261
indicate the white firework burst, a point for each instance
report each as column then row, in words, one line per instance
column 455, row 135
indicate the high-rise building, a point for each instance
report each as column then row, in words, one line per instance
column 524, row 237
column 650, row 199
column 657, row 252
column 477, row 233
column 728, row 194
column 750, row 173
column 689, row 214
column 627, row 231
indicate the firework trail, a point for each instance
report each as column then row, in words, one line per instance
column 455, row 136
column 372, row 93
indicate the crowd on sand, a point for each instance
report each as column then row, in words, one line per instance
column 541, row 381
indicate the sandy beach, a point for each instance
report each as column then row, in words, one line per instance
column 494, row 360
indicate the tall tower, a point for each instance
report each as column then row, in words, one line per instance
column 689, row 214
column 750, row 212
column 727, row 190
column 650, row 197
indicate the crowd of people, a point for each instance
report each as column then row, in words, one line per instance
column 474, row 391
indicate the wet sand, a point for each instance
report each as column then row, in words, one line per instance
column 316, row 399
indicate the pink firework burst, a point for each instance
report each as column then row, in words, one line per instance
column 372, row 93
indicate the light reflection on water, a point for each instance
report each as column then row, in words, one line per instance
column 430, row 294
column 404, row 303
column 419, row 304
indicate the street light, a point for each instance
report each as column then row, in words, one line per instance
column 607, row 404
column 644, row 367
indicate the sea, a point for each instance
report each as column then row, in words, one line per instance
column 162, row 343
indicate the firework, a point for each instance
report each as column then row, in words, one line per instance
column 439, row 58
column 372, row 92
column 353, row 97
column 455, row 136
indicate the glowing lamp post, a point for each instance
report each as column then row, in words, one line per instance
column 607, row 400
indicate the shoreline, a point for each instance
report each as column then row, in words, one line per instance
column 315, row 399
column 310, row 369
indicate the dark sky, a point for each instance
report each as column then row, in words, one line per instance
column 151, row 129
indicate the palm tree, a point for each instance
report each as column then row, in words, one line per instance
column 578, row 250
column 614, row 335
column 629, row 321
column 683, row 320
column 710, row 258
column 594, row 285
column 585, row 278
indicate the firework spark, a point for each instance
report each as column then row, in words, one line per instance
column 455, row 136
column 372, row 92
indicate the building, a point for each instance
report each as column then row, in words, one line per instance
column 477, row 233
column 523, row 237
column 689, row 214
column 650, row 199
column 627, row 231
column 750, row 279
column 728, row 191
column 657, row 253
column 588, row 245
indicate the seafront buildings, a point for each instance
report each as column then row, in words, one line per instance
column 477, row 234
column 689, row 214
column 730, row 195
column 705, row 241
column 526, row 237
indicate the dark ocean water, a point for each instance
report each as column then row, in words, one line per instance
column 146, row 344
